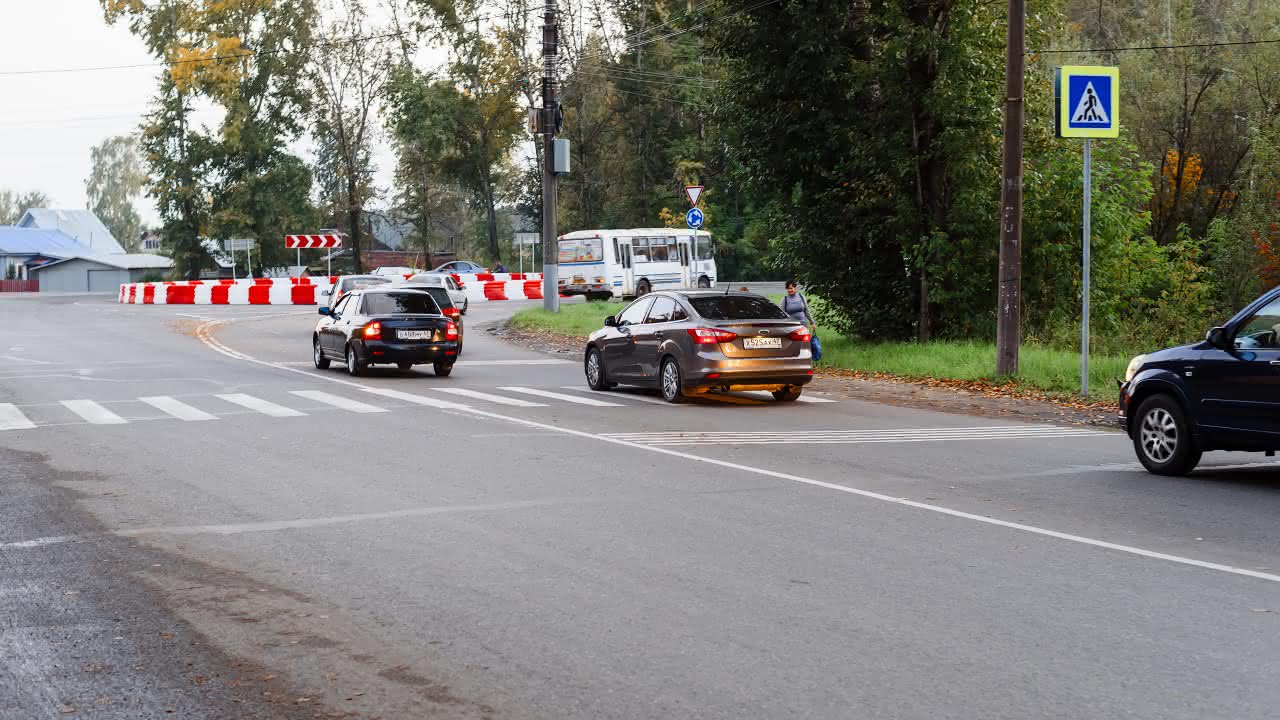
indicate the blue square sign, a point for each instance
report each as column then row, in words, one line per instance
column 1088, row 101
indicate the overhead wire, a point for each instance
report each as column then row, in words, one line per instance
column 1135, row 48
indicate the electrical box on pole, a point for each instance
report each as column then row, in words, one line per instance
column 561, row 165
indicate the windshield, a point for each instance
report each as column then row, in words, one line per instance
column 583, row 250
column 361, row 283
column 400, row 304
column 736, row 307
column 427, row 279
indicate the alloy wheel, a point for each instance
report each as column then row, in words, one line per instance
column 670, row 380
column 593, row 369
column 1159, row 435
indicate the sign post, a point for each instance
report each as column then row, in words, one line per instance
column 1088, row 106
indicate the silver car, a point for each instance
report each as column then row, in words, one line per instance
column 347, row 283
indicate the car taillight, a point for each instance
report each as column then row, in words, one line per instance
column 710, row 336
column 373, row 331
column 452, row 312
column 451, row 331
column 800, row 335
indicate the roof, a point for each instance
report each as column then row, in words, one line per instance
column 121, row 261
column 31, row 241
column 633, row 232
column 82, row 225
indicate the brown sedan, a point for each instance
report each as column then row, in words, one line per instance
column 686, row 343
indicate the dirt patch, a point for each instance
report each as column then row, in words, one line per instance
column 962, row 397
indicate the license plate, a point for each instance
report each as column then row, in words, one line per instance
column 414, row 334
column 761, row 343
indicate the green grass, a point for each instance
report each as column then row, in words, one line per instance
column 1055, row 371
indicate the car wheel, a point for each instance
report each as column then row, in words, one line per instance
column 594, row 366
column 1162, row 437
column 354, row 366
column 789, row 393
column 704, row 283
column 317, row 355
column 643, row 288
column 405, row 365
column 672, row 385
column 443, row 369
column 466, row 304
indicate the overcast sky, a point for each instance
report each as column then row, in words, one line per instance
column 49, row 121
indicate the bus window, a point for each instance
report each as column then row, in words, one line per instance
column 705, row 251
column 658, row 251
column 617, row 256
column 585, row 250
column 640, row 249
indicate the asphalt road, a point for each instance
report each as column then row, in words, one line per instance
column 196, row 523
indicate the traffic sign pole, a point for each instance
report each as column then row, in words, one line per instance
column 1087, row 239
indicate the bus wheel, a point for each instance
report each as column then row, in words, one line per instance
column 642, row 288
column 703, row 282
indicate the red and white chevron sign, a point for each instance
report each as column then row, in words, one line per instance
column 312, row 241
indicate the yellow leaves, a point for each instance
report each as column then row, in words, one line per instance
column 216, row 67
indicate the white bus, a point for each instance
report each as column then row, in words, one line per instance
column 605, row 263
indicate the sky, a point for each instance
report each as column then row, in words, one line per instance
column 50, row 120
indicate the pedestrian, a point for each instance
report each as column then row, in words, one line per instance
column 501, row 268
column 794, row 304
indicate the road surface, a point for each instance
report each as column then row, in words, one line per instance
column 196, row 523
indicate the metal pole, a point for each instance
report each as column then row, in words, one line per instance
column 1087, row 240
column 550, row 259
column 1009, row 307
column 299, row 257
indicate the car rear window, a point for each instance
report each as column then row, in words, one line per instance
column 400, row 304
column 427, row 279
column 736, row 307
column 362, row 283
column 440, row 295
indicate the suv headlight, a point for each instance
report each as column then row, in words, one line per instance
column 1134, row 366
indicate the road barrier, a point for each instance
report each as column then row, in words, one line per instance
column 486, row 287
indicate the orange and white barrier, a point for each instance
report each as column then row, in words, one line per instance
column 307, row 291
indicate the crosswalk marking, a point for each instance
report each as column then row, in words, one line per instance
column 766, row 395
column 626, row 396
column 850, row 437
column 338, row 402
column 177, row 408
column 265, row 407
column 93, row 413
column 11, row 418
column 418, row 399
column 560, row 396
column 514, row 402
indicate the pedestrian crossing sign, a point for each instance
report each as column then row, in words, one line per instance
column 1088, row 101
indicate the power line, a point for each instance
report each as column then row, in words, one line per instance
column 691, row 28
column 659, row 97
column 665, row 83
column 1155, row 47
column 658, row 78
column 216, row 58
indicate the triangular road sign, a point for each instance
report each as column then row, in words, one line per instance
column 1090, row 109
column 693, row 192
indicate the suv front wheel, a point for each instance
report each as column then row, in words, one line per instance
column 1162, row 438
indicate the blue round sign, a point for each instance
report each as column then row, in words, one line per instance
column 693, row 218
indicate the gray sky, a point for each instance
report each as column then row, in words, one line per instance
column 49, row 121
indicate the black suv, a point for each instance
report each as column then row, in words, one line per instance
column 1220, row 394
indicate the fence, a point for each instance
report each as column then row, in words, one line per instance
column 19, row 286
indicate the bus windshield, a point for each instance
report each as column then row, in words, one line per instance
column 583, row 250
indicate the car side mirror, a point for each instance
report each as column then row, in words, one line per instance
column 326, row 292
column 326, row 311
column 1218, row 338
column 611, row 321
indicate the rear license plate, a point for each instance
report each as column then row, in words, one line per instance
column 761, row 343
column 414, row 334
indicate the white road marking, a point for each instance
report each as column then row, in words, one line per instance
column 1044, row 532
column 339, row 402
column 265, row 407
column 766, row 395
column 26, row 361
column 177, row 408
column 93, row 412
column 501, row 400
column 627, row 396
column 560, row 396
column 418, row 399
column 478, row 363
column 851, row 437
column 11, row 418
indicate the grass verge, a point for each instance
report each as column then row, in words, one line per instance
column 1046, row 369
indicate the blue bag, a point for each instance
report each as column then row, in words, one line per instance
column 815, row 346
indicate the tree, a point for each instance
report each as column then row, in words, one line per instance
column 116, row 179
column 349, row 81
column 14, row 204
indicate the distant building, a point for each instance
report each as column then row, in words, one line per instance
column 24, row 248
column 81, row 225
column 98, row 273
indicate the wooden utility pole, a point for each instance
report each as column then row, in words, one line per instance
column 1009, row 309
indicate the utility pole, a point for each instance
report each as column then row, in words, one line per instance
column 550, row 247
column 1009, row 309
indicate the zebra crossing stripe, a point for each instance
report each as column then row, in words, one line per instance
column 560, row 396
column 338, row 401
column 501, row 400
column 177, row 408
column 765, row 395
column 263, row 406
column 11, row 418
column 418, row 399
column 850, row 437
column 627, row 395
column 93, row 413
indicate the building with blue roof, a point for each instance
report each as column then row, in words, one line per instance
column 24, row 248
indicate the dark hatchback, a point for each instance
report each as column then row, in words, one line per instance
column 687, row 343
column 399, row 327
column 1219, row 394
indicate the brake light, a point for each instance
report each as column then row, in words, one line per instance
column 451, row 331
column 373, row 331
column 452, row 312
column 711, row 336
column 800, row 335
